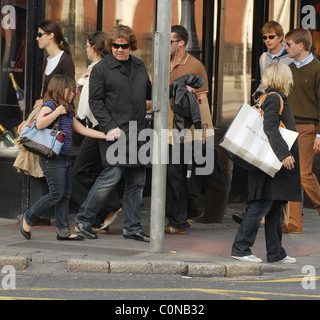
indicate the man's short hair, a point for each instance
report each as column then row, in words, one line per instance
column 272, row 26
column 181, row 32
column 300, row 35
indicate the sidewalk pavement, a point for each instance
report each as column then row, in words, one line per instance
column 203, row 251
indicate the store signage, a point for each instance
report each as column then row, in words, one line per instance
column 9, row 18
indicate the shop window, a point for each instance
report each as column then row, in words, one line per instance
column 138, row 15
column 78, row 19
column 12, row 72
column 279, row 12
column 236, row 57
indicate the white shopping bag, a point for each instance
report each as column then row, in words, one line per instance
column 246, row 139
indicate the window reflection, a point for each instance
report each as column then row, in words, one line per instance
column 237, row 57
column 12, row 57
column 279, row 11
column 78, row 19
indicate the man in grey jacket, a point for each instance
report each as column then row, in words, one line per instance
column 273, row 35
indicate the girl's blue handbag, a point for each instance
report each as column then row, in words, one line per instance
column 44, row 142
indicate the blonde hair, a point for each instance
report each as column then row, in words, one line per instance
column 278, row 76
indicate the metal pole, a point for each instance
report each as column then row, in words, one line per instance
column 188, row 21
column 160, row 104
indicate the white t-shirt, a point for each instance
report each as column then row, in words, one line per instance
column 52, row 63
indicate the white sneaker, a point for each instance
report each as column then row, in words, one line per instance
column 288, row 259
column 250, row 258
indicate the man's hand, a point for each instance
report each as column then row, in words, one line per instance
column 316, row 145
column 190, row 89
column 113, row 134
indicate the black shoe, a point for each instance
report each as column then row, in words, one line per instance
column 140, row 236
column 26, row 234
column 85, row 229
column 77, row 238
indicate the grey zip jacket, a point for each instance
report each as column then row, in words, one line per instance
column 266, row 59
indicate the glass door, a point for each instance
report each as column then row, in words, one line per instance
column 12, row 72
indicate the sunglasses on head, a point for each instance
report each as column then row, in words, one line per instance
column 40, row 34
column 270, row 37
column 122, row 46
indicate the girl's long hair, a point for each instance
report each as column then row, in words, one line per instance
column 56, row 91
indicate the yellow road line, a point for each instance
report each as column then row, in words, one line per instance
column 26, row 298
column 297, row 278
column 209, row 291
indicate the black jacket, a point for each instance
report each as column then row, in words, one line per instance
column 286, row 184
column 184, row 103
column 117, row 97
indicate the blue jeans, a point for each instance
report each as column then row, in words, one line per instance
column 108, row 179
column 246, row 235
column 58, row 174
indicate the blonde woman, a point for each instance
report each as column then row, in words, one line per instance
column 266, row 195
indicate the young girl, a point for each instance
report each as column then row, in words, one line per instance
column 58, row 171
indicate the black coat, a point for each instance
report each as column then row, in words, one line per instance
column 286, row 184
column 117, row 96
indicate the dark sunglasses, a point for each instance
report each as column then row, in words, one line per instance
column 39, row 34
column 290, row 44
column 174, row 41
column 270, row 37
column 122, row 46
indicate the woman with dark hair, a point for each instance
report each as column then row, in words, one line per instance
column 87, row 166
column 58, row 171
column 59, row 61
column 50, row 37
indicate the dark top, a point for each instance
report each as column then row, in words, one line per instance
column 286, row 184
column 65, row 67
column 116, row 98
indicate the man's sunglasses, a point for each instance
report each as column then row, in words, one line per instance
column 270, row 37
column 40, row 34
column 122, row 46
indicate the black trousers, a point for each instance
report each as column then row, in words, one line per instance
column 176, row 206
column 87, row 167
column 183, row 193
column 247, row 232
